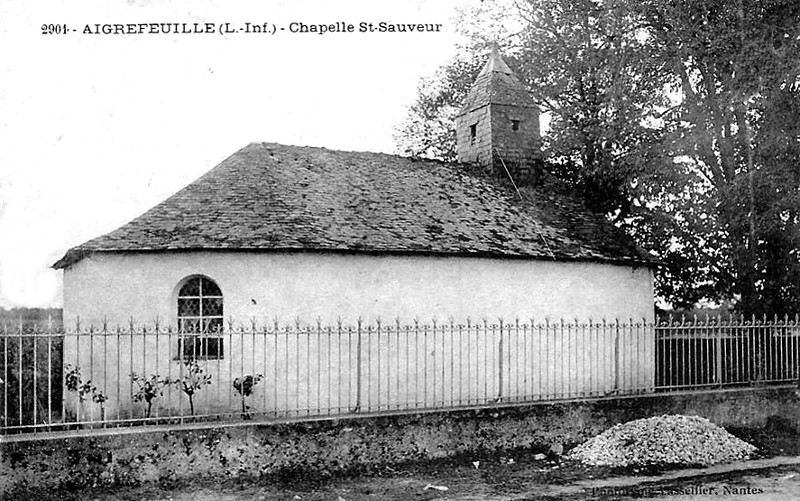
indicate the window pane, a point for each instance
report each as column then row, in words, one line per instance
column 188, row 307
column 191, row 288
column 212, row 347
column 210, row 288
column 191, row 347
column 212, row 307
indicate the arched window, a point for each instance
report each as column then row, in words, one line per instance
column 200, row 314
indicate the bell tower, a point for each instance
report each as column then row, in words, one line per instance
column 498, row 125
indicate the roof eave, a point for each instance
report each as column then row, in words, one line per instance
column 77, row 254
column 71, row 257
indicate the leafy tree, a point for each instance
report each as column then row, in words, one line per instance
column 593, row 69
column 734, row 67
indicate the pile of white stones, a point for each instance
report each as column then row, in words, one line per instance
column 663, row 440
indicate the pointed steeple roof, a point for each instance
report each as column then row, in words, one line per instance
column 496, row 84
column 495, row 63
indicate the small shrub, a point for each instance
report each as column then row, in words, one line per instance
column 148, row 389
column 244, row 387
column 73, row 381
column 192, row 381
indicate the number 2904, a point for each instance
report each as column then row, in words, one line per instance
column 54, row 29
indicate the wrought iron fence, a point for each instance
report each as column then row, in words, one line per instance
column 56, row 379
column 724, row 352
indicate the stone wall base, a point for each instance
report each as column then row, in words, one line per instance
column 328, row 446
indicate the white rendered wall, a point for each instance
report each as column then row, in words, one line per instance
column 263, row 286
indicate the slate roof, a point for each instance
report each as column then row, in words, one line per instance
column 272, row 197
column 496, row 84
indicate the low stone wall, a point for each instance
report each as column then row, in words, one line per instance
column 328, row 446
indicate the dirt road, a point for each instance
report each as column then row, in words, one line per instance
column 464, row 483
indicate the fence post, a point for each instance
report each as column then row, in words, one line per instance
column 5, row 375
column 718, row 352
column 358, row 368
column 756, row 356
column 20, row 373
column 500, row 364
column 616, row 355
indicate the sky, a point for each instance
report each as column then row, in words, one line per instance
column 98, row 128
